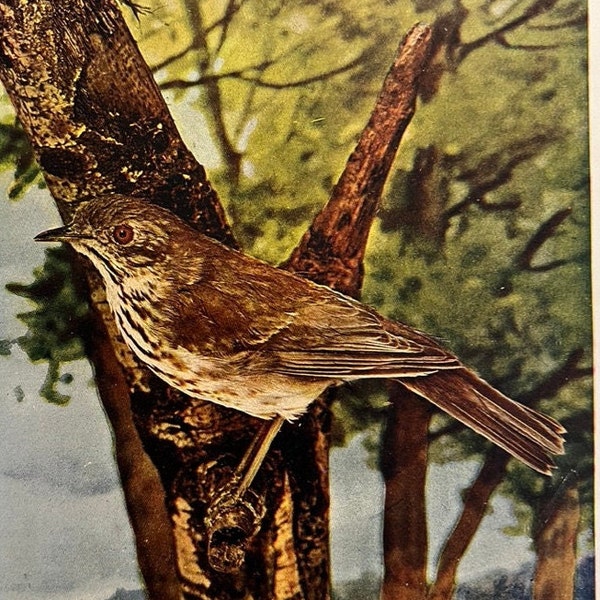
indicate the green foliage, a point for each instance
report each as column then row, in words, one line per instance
column 15, row 153
column 55, row 325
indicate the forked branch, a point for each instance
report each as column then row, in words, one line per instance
column 546, row 230
column 332, row 250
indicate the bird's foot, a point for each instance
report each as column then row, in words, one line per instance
column 231, row 521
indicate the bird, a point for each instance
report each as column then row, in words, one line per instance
column 223, row 326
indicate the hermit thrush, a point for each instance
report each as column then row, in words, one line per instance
column 222, row 326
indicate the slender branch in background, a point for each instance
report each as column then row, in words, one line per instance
column 545, row 231
column 496, row 170
column 449, row 50
column 425, row 214
column 245, row 75
column 183, row 84
column 537, row 8
column 232, row 158
column 232, row 8
column 284, row 85
column 171, row 59
column 502, row 41
column 569, row 371
column 243, row 120
column 579, row 21
column 475, row 506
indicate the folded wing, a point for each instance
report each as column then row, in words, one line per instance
column 358, row 343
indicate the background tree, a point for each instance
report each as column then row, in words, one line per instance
column 482, row 237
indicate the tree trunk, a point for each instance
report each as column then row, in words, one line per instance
column 98, row 124
column 404, row 468
column 556, row 544
column 423, row 220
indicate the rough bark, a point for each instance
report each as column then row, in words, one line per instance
column 98, row 124
column 332, row 250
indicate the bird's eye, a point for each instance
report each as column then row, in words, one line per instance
column 123, row 234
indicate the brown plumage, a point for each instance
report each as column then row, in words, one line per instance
column 222, row 326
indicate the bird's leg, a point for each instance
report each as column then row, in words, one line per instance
column 232, row 520
column 254, row 456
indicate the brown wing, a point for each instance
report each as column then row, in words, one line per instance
column 336, row 337
column 293, row 326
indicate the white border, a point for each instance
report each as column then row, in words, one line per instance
column 594, row 112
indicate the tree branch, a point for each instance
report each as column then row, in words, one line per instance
column 232, row 8
column 580, row 20
column 494, row 171
column 171, row 59
column 556, row 541
column 569, row 371
column 545, row 231
column 502, row 41
column 232, row 158
column 538, row 8
column 474, row 509
column 243, row 75
column 343, row 225
column 404, row 468
column 136, row 8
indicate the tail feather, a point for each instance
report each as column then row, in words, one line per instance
column 526, row 434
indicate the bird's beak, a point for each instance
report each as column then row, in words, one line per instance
column 59, row 234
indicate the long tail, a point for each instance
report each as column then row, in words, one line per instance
column 526, row 434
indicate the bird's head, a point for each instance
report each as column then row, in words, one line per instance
column 120, row 233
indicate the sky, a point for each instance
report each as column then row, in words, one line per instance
column 64, row 533
column 63, row 529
